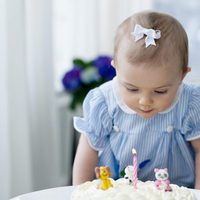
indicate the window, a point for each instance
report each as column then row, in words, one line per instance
column 187, row 12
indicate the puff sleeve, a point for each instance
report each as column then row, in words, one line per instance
column 96, row 123
column 191, row 124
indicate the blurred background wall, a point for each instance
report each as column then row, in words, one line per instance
column 38, row 39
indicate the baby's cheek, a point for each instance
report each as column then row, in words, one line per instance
column 128, row 99
column 165, row 103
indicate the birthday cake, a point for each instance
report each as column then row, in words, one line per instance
column 129, row 187
column 122, row 190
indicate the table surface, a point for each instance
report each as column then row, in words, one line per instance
column 60, row 193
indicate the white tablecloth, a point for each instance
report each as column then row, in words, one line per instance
column 60, row 193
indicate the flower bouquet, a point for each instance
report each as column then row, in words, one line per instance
column 86, row 75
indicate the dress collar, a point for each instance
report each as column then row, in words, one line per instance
column 126, row 109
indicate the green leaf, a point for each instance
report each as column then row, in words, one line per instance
column 122, row 173
column 73, row 103
column 79, row 62
column 88, row 64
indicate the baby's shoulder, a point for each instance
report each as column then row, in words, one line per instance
column 190, row 91
column 107, row 90
column 100, row 97
column 190, row 96
column 103, row 93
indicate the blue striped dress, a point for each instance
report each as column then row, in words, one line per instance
column 113, row 130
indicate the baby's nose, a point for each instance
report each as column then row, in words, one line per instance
column 145, row 101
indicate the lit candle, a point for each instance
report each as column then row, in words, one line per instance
column 135, row 161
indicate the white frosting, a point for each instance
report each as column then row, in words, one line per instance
column 121, row 190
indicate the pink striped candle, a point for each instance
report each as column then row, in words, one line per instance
column 135, row 161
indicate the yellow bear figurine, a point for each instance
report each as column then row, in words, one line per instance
column 104, row 173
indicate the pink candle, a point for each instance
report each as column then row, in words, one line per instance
column 135, row 178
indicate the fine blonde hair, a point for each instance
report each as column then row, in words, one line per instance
column 172, row 44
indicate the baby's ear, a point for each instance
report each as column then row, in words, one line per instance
column 188, row 69
column 112, row 63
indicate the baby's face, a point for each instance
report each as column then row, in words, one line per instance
column 148, row 90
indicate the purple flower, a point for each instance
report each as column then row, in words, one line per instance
column 90, row 75
column 103, row 64
column 71, row 79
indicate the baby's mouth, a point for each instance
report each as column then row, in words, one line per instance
column 146, row 111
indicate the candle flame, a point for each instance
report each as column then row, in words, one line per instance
column 134, row 151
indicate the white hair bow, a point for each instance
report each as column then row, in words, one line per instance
column 151, row 34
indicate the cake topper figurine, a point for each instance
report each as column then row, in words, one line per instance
column 135, row 168
column 104, row 173
column 162, row 179
column 129, row 173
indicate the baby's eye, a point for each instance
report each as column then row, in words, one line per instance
column 132, row 89
column 160, row 91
